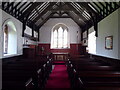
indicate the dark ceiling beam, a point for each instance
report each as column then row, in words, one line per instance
column 3, row 5
column 23, row 26
column 76, row 12
column 17, row 13
column 51, row 15
column 73, row 19
column 27, row 12
column 87, row 8
column 33, row 16
column 32, row 25
column 33, row 31
column 33, row 12
column 82, row 11
column 61, row 4
column 115, row 5
column 26, row 6
column 112, row 9
column 102, row 11
column 110, row 5
column 31, row 8
column 22, row 5
column 94, row 8
column 105, row 8
column 97, row 6
column 8, row 6
column 60, row 17
column 45, row 20
column 62, row 9
column 12, row 9
column 91, row 11
column 98, row 12
column 37, row 12
column 15, row 6
column 17, row 10
column 21, row 12
column 41, row 14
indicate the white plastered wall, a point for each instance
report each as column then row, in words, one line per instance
column 0, row 51
column 119, row 34
column 1, row 34
column 45, row 30
column 109, row 26
column 5, row 18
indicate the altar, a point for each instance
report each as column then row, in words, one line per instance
column 60, row 56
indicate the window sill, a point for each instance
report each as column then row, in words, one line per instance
column 9, row 55
column 60, row 48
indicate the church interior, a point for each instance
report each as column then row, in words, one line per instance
column 60, row 44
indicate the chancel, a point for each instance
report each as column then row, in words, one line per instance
column 60, row 44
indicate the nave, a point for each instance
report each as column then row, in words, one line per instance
column 35, row 36
column 59, row 77
column 79, row 72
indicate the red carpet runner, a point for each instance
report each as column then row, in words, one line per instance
column 58, row 78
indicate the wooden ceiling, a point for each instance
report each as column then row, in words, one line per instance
column 35, row 14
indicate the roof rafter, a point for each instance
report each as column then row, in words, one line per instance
column 32, row 7
column 15, row 6
column 73, row 19
column 39, row 16
column 76, row 12
column 45, row 20
column 37, row 11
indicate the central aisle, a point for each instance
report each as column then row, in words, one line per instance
column 58, row 78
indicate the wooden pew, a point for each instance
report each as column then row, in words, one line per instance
column 96, row 68
column 20, row 71
column 94, row 75
column 99, row 73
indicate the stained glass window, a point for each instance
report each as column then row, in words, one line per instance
column 60, row 38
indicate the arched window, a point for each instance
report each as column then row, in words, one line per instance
column 60, row 37
column 6, row 39
column 10, row 38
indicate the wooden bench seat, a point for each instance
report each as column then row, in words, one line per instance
column 13, row 85
column 101, row 88
column 100, row 78
column 99, row 74
column 95, row 68
column 94, row 74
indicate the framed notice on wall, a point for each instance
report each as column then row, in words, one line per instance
column 109, row 42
